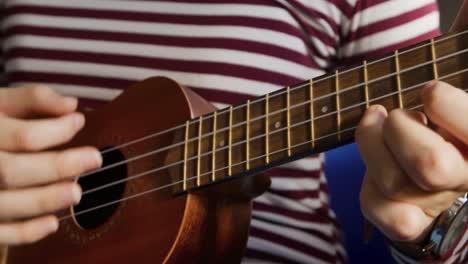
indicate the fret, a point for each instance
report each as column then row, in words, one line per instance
column 287, row 133
column 398, row 77
column 247, row 137
column 288, row 118
column 267, row 125
column 200, row 124
column 312, row 116
column 338, row 108
column 187, row 125
column 230, row 143
column 213, row 150
column 366, row 84
column 434, row 60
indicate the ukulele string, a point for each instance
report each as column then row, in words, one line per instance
column 81, row 212
column 154, row 170
column 195, row 138
column 261, row 117
column 77, row 213
column 225, row 110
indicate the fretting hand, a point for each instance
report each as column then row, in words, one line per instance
column 34, row 183
column 413, row 172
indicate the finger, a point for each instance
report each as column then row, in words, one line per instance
column 22, row 203
column 379, row 161
column 35, row 100
column 383, row 169
column 446, row 107
column 22, row 170
column 27, row 232
column 462, row 147
column 399, row 221
column 34, row 135
column 432, row 163
column 369, row 132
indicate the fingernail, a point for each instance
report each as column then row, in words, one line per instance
column 79, row 120
column 428, row 87
column 76, row 193
column 374, row 108
column 377, row 111
column 71, row 102
column 91, row 161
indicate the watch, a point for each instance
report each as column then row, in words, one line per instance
column 446, row 232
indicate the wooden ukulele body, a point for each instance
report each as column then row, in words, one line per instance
column 209, row 225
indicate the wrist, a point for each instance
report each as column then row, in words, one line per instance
column 418, row 248
column 441, row 237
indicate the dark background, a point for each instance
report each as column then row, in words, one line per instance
column 448, row 10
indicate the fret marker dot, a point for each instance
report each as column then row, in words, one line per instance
column 278, row 124
column 324, row 109
column 221, row 143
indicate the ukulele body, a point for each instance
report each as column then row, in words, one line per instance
column 209, row 225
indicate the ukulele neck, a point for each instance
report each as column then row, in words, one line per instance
column 313, row 116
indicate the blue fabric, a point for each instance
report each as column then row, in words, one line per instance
column 345, row 170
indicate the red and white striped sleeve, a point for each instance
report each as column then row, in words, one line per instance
column 378, row 27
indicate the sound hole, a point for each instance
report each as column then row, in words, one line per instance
column 93, row 206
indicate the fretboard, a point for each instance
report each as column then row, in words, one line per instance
column 311, row 117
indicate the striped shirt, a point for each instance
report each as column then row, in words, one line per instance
column 227, row 52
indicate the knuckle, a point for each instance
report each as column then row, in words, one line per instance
column 39, row 93
column 24, row 139
column 63, row 165
column 433, row 168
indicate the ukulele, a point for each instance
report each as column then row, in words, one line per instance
column 177, row 180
